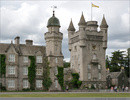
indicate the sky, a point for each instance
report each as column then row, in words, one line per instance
column 28, row 19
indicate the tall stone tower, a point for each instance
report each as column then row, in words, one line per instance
column 87, row 49
column 53, row 40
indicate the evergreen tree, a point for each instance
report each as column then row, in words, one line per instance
column 117, row 61
column 107, row 62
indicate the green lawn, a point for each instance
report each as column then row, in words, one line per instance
column 69, row 95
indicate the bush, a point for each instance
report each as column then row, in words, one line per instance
column 27, row 89
column 92, row 87
column 75, row 81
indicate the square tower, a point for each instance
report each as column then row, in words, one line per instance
column 87, row 49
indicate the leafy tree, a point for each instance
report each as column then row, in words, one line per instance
column 66, row 64
column 127, row 63
column 75, row 81
column 117, row 61
column 107, row 62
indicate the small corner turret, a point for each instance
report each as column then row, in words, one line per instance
column 71, row 26
column 103, row 23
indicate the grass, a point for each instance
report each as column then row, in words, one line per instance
column 69, row 95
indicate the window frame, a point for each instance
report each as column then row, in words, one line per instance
column 11, row 70
column 39, row 83
column 11, row 83
column 39, row 59
column 25, row 84
column 25, row 59
column 25, row 70
column 11, row 58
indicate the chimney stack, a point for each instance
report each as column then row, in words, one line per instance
column 29, row 42
column 17, row 40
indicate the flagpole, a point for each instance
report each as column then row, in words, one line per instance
column 91, row 11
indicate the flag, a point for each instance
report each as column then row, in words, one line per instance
column 95, row 5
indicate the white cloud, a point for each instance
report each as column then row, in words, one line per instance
column 28, row 19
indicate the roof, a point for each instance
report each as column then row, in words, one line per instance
column 104, row 23
column 114, row 74
column 71, row 27
column 22, row 49
column 82, row 20
column 53, row 21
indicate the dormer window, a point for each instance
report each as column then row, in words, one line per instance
column 11, row 58
column 39, row 59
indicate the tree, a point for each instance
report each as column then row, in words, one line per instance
column 127, row 62
column 117, row 61
column 107, row 62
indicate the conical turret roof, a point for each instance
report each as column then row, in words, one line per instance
column 71, row 26
column 82, row 20
column 103, row 23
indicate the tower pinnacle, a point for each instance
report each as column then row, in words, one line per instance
column 82, row 20
column 103, row 23
column 71, row 26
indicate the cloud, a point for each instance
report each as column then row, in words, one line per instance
column 28, row 19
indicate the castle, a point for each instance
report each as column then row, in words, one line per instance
column 87, row 47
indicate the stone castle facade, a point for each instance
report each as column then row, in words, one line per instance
column 87, row 47
column 17, row 59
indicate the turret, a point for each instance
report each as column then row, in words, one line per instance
column 71, row 31
column 53, row 24
column 82, row 26
column 92, row 26
column 104, row 28
column 82, row 22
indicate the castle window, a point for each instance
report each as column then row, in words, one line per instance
column 89, row 75
column 11, row 70
column 39, row 71
column 89, row 66
column 39, row 59
column 38, row 83
column 11, row 83
column 56, row 71
column 75, row 47
column 56, row 83
column 25, row 70
column 94, row 56
column 25, row 59
column 99, row 76
column 56, row 60
column 11, row 58
column 25, row 83
column 99, row 66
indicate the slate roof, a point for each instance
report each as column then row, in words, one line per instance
column 22, row 49
column 71, row 27
column 82, row 20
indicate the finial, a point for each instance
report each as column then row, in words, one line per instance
column 53, row 13
column 53, row 9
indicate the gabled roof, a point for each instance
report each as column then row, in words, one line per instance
column 22, row 49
